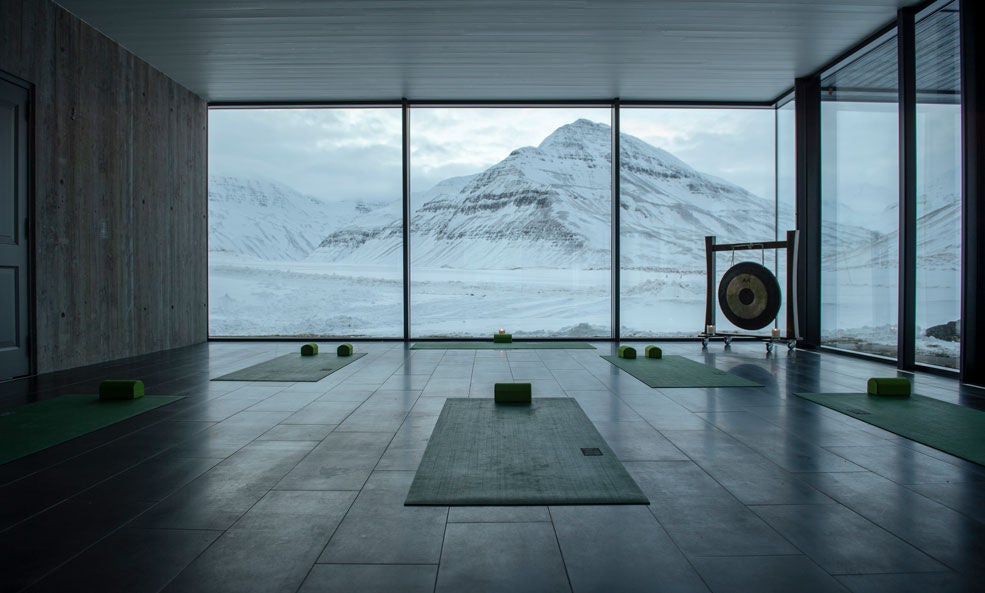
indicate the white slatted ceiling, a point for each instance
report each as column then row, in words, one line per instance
column 331, row 50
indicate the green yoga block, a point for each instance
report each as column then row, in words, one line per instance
column 654, row 352
column 503, row 338
column 888, row 386
column 309, row 349
column 345, row 350
column 512, row 393
column 627, row 352
column 116, row 389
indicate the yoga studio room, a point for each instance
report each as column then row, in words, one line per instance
column 567, row 296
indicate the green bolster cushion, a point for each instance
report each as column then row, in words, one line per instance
column 345, row 350
column 503, row 338
column 654, row 352
column 309, row 349
column 512, row 393
column 113, row 389
column 888, row 386
column 627, row 352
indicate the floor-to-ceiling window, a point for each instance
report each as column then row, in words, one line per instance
column 510, row 221
column 859, row 202
column 685, row 174
column 510, row 218
column 305, row 230
column 938, row 109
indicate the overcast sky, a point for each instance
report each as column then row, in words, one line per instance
column 341, row 154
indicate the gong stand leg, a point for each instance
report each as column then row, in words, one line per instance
column 793, row 331
column 710, row 294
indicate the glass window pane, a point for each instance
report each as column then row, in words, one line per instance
column 685, row 174
column 510, row 226
column 938, row 303
column 859, row 203
column 305, row 214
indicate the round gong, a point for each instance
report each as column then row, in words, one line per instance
column 749, row 295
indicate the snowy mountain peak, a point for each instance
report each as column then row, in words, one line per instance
column 549, row 206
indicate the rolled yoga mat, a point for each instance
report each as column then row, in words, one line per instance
column 309, row 349
column 503, row 338
column 654, row 352
column 116, row 389
column 627, row 352
column 512, row 393
column 888, row 386
column 345, row 350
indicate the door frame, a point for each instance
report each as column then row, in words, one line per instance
column 30, row 181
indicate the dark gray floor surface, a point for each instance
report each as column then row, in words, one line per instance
column 290, row 487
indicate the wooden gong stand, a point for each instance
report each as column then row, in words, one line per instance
column 793, row 330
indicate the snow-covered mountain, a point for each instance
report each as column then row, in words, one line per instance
column 549, row 206
column 269, row 220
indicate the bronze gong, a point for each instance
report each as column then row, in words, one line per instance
column 749, row 295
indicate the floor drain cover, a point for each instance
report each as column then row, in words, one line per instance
column 591, row 452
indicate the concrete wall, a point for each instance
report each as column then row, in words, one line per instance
column 120, row 196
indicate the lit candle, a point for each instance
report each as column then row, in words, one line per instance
column 710, row 329
column 776, row 332
column 502, row 331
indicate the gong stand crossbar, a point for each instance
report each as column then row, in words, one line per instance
column 790, row 245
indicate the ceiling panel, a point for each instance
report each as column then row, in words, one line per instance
column 349, row 50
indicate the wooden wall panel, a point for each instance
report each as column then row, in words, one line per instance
column 120, row 193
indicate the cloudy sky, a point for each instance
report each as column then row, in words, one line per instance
column 340, row 154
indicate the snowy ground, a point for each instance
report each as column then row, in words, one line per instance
column 251, row 297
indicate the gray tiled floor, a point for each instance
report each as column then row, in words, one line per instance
column 300, row 486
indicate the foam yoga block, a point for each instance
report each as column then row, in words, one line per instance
column 309, row 349
column 512, row 393
column 654, row 352
column 345, row 350
column 114, row 389
column 627, row 352
column 888, row 386
column 503, row 338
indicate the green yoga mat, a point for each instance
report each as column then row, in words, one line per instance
column 677, row 371
column 40, row 425
column 546, row 452
column 946, row 427
column 502, row 346
column 293, row 368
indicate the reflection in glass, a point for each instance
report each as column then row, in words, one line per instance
column 938, row 304
column 859, row 203
column 685, row 174
column 296, row 197
column 786, row 190
column 510, row 225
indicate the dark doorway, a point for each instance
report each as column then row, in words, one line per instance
column 15, row 358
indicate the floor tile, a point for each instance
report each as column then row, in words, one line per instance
column 843, row 542
column 371, row 578
column 132, row 560
column 508, row 557
column 380, row 529
column 766, row 574
column 620, row 548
